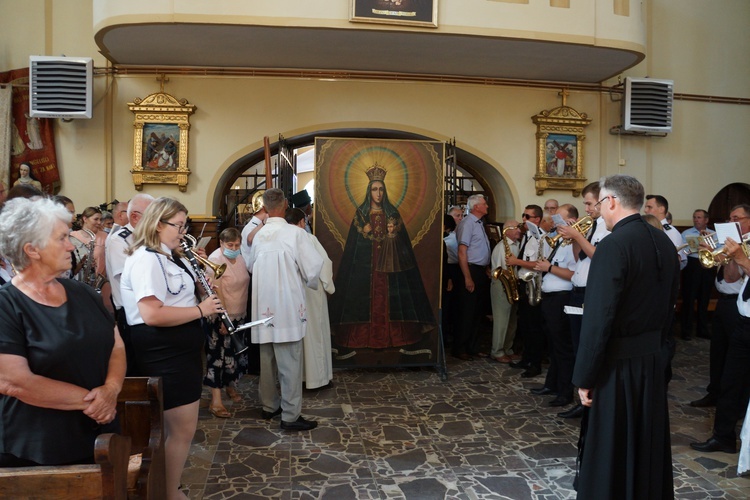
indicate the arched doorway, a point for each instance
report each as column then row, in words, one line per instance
column 485, row 177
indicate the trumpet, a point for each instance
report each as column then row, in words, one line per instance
column 710, row 258
column 187, row 244
column 582, row 226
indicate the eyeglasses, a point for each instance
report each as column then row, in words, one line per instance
column 737, row 219
column 602, row 200
column 550, row 208
column 182, row 229
column 527, row 216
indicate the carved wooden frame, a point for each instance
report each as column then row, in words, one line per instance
column 161, row 110
column 562, row 121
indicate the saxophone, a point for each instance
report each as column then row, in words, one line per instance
column 533, row 279
column 507, row 276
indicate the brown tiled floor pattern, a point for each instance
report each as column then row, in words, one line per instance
column 406, row 434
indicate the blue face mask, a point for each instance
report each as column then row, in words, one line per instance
column 107, row 229
column 231, row 254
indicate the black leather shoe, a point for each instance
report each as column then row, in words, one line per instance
column 268, row 415
column 704, row 402
column 531, row 372
column 714, row 444
column 560, row 401
column 575, row 412
column 300, row 425
column 519, row 364
column 542, row 391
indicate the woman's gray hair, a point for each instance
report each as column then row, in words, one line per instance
column 25, row 221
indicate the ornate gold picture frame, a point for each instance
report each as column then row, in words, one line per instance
column 160, row 140
column 409, row 12
column 560, row 155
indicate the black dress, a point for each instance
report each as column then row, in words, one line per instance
column 624, row 449
column 70, row 343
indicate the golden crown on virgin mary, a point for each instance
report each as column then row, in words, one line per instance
column 376, row 173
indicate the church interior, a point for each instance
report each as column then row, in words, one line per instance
column 245, row 88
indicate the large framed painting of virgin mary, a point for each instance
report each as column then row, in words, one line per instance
column 378, row 213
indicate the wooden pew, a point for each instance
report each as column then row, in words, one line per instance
column 107, row 479
column 140, row 408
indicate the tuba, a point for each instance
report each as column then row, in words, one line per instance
column 507, row 276
column 187, row 243
column 256, row 201
column 583, row 225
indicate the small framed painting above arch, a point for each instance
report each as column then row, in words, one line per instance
column 560, row 133
column 160, row 140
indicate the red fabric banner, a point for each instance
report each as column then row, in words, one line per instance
column 32, row 139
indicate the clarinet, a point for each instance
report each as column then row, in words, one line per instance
column 239, row 346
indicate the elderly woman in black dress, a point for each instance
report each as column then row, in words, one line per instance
column 62, row 362
column 164, row 318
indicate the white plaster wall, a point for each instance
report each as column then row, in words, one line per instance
column 703, row 154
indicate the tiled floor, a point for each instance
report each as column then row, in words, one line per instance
column 404, row 433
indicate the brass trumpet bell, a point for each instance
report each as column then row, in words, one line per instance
column 709, row 258
column 218, row 269
column 582, row 226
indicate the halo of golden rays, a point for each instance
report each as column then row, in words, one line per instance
column 413, row 181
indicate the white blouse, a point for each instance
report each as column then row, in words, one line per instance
column 148, row 273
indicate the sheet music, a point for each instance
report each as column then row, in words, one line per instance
column 728, row 229
column 575, row 311
column 533, row 229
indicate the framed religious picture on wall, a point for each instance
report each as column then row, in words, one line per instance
column 378, row 214
column 160, row 140
column 410, row 12
column 560, row 135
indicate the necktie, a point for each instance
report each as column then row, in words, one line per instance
column 746, row 293
column 720, row 274
column 523, row 246
column 582, row 255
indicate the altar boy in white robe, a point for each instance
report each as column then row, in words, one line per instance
column 283, row 262
column 317, row 342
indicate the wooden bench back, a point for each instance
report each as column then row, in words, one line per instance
column 140, row 409
column 107, row 479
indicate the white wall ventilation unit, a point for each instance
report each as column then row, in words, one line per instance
column 60, row 87
column 647, row 106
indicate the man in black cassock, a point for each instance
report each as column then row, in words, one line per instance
column 624, row 447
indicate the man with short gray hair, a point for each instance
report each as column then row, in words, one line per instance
column 473, row 259
column 620, row 367
column 115, row 252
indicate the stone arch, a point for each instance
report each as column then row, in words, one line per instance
column 498, row 189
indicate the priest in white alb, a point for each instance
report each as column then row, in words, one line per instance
column 283, row 262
